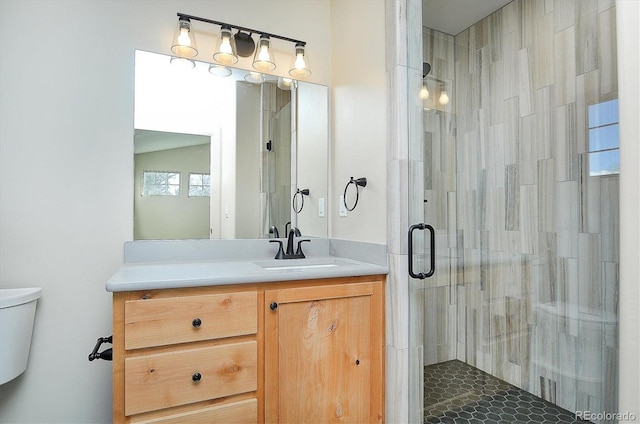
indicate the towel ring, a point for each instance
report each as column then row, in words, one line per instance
column 360, row 182
column 302, row 193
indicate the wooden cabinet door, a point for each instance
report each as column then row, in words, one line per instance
column 324, row 354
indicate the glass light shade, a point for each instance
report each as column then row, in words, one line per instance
column 424, row 92
column 219, row 70
column 263, row 59
column 184, row 40
column 285, row 83
column 300, row 68
column 182, row 62
column 444, row 98
column 226, row 54
column 254, row 78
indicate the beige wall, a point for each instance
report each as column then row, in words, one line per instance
column 358, row 115
column 169, row 217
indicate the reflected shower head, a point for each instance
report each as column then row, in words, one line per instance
column 426, row 68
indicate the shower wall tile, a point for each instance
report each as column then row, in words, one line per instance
column 610, row 210
column 529, row 218
column 590, row 272
column 511, row 63
column 525, row 83
column 587, row 93
column 512, row 200
column 567, row 221
column 511, row 18
column 543, row 64
column 566, row 143
column 607, row 51
column 397, row 303
column 545, row 122
column 587, row 33
column 565, row 65
column 546, row 195
column 567, row 384
column 564, row 14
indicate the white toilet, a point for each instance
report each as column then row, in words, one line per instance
column 17, row 314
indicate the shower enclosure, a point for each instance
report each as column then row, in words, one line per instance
column 517, row 170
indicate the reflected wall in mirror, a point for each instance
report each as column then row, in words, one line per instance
column 219, row 157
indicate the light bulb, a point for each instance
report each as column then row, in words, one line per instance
column 424, row 92
column 264, row 53
column 444, row 98
column 300, row 63
column 225, row 46
column 183, row 38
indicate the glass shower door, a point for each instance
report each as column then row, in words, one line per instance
column 510, row 174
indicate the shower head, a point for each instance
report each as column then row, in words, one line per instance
column 426, row 68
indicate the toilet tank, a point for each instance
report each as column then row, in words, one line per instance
column 17, row 315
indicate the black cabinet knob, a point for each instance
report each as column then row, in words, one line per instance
column 273, row 306
column 197, row 322
column 196, row 377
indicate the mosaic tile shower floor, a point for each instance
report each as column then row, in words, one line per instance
column 457, row 393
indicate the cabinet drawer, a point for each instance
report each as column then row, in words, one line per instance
column 169, row 379
column 165, row 321
column 243, row 412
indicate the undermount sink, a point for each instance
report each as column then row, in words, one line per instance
column 307, row 263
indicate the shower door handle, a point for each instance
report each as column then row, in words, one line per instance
column 432, row 249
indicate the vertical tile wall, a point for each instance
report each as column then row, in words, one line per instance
column 534, row 257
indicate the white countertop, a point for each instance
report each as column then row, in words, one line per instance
column 164, row 275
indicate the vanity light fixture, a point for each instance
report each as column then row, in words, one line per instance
column 219, row 70
column 424, row 91
column 441, row 85
column 300, row 68
column 184, row 41
column 285, row 83
column 226, row 54
column 254, row 77
column 444, row 97
column 239, row 44
column 263, row 60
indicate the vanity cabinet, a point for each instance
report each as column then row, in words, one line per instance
column 186, row 355
column 228, row 354
column 324, row 354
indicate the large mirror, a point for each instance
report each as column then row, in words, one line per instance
column 222, row 157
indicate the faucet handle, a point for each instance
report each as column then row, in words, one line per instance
column 299, row 252
column 280, row 254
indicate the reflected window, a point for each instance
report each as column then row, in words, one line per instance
column 199, row 185
column 156, row 183
column 604, row 141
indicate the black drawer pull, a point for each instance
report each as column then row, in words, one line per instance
column 197, row 322
column 196, row 377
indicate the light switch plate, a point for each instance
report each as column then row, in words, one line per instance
column 321, row 207
column 343, row 208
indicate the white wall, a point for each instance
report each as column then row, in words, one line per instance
column 312, row 168
column 628, row 19
column 246, row 207
column 66, row 171
column 358, row 114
